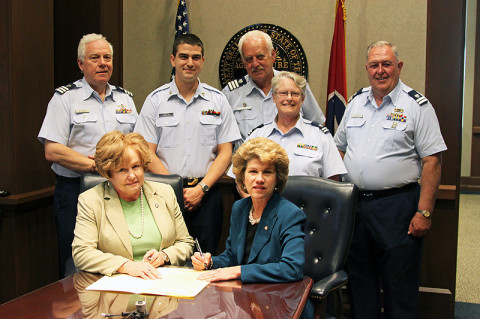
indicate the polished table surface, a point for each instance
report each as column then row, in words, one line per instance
column 68, row 298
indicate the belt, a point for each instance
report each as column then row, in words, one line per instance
column 371, row 195
column 191, row 181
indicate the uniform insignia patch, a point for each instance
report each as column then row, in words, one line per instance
column 420, row 99
column 211, row 112
column 235, row 84
column 322, row 128
column 124, row 91
column 261, row 125
column 356, row 94
column 65, row 88
column 309, row 147
column 122, row 109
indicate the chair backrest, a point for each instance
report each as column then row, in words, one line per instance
column 330, row 210
column 90, row 180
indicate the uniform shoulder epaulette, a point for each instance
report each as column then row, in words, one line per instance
column 261, row 125
column 235, row 84
column 118, row 88
column 356, row 94
column 419, row 98
column 322, row 128
column 65, row 88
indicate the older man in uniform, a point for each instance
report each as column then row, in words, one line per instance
column 190, row 129
column 251, row 95
column 389, row 138
column 78, row 115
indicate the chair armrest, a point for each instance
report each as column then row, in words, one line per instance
column 324, row 286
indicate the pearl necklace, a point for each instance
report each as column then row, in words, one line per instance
column 252, row 220
column 141, row 209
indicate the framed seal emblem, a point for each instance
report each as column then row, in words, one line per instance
column 290, row 54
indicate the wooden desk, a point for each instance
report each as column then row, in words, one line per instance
column 230, row 299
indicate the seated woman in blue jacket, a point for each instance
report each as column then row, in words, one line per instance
column 265, row 243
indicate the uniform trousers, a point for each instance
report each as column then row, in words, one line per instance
column 65, row 200
column 205, row 223
column 383, row 255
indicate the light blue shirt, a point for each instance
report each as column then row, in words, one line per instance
column 187, row 134
column 311, row 151
column 76, row 117
column 384, row 145
column 252, row 107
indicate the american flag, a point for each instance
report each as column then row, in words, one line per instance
column 337, row 74
column 181, row 24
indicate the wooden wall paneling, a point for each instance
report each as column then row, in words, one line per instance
column 475, row 162
column 31, row 52
column 444, row 88
column 6, row 138
column 74, row 19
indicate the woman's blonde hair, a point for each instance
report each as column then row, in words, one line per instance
column 111, row 148
column 266, row 151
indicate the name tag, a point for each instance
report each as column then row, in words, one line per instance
column 357, row 116
column 243, row 108
column 81, row 111
column 165, row 115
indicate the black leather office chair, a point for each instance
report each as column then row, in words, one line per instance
column 330, row 210
column 90, row 180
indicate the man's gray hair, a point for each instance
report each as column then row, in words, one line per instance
column 383, row 44
column 255, row 34
column 87, row 38
column 299, row 80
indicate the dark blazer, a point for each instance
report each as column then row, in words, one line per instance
column 277, row 253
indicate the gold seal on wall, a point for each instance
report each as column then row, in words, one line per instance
column 290, row 54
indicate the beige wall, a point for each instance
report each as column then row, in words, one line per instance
column 149, row 33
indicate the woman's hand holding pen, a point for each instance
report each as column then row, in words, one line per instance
column 201, row 263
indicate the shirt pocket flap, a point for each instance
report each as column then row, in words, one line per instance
column 84, row 117
column 243, row 114
column 125, row 118
column 306, row 152
column 210, row 120
column 355, row 122
column 395, row 125
column 167, row 121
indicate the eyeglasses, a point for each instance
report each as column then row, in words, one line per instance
column 284, row 94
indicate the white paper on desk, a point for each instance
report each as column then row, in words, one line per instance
column 175, row 282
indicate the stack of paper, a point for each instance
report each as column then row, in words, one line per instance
column 175, row 282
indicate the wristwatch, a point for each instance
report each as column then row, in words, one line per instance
column 165, row 258
column 425, row 213
column 204, row 187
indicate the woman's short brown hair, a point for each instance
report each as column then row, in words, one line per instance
column 266, row 151
column 112, row 146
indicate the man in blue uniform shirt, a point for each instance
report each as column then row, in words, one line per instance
column 251, row 95
column 390, row 140
column 78, row 115
column 190, row 129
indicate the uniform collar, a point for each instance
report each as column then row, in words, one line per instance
column 252, row 87
column 201, row 91
column 299, row 126
column 88, row 91
column 391, row 97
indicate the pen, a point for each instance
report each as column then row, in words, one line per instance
column 200, row 251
